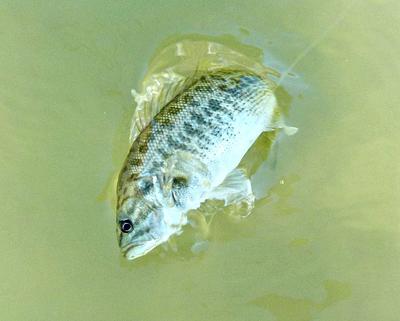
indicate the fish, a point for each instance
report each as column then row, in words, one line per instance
column 189, row 153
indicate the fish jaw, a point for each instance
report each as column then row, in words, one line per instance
column 136, row 251
column 172, row 225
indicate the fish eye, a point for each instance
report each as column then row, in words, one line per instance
column 126, row 226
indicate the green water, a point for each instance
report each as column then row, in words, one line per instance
column 324, row 245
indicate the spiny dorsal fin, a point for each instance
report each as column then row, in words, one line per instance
column 162, row 83
column 160, row 89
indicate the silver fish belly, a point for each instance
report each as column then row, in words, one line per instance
column 186, row 153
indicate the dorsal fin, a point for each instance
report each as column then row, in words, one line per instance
column 171, row 72
column 160, row 89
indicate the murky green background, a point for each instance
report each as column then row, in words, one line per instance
column 325, row 245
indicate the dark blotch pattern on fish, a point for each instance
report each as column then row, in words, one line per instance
column 195, row 121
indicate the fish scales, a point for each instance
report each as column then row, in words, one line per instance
column 215, row 120
column 197, row 120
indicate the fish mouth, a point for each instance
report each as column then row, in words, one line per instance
column 134, row 251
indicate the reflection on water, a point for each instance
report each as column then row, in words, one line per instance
column 289, row 309
column 298, row 243
column 66, row 72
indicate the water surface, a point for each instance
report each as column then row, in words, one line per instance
column 323, row 245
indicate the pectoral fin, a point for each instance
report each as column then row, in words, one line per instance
column 235, row 189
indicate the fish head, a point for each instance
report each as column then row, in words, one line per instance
column 153, row 203
column 146, row 219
